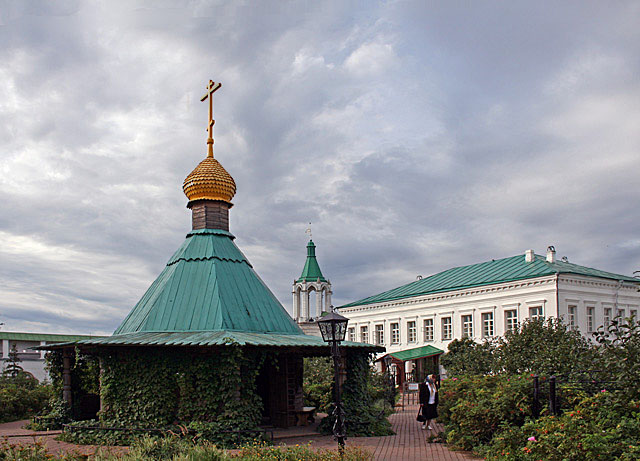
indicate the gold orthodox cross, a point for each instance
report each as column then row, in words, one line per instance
column 211, row 88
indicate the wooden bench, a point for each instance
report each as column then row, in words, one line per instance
column 305, row 416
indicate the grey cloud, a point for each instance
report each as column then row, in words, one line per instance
column 469, row 144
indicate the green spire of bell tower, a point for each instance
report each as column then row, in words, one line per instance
column 311, row 271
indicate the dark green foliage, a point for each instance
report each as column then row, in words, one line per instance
column 11, row 367
column 543, row 347
column 601, row 427
column 318, row 379
column 56, row 414
column 466, row 357
column 85, row 380
column 21, row 396
column 154, row 388
column 364, row 416
column 473, row 408
column 492, row 414
column 619, row 354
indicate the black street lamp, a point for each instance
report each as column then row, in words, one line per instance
column 390, row 380
column 333, row 328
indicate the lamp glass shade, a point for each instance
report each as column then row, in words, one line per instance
column 333, row 327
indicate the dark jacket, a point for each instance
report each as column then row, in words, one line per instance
column 424, row 394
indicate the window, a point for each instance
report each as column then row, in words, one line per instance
column 633, row 313
column 467, row 326
column 428, row 330
column 352, row 334
column 590, row 314
column 487, row 325
column 380, row 334
column 607, row 317
column 411, row 331
column 364, row 334
column 571, row 317
column 620, row 313
column 446, row 328
column 511, row 320
column 535, row 312
column 395, row 333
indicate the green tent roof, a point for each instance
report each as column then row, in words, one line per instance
column 208, row 285
column 487, row 273
column 416, row 353
column 48, row 337
column 215, row 338
column 311, row 271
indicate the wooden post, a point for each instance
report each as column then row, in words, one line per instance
column 67, row 354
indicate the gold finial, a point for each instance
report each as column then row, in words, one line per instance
column 308, row 231
column 211, row 88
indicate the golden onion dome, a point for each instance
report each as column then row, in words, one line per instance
column 209, row 181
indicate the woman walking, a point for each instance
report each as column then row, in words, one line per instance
column 428, row 401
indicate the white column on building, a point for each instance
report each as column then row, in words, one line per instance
column 296, row 304
column 318, row 302
column 327, row 299
column 305, row 304
column 42, row 343
column 5, row 348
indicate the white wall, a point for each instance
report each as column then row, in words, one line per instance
column 496, row 299
column 553, row 293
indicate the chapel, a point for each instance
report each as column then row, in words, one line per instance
column 208, row 340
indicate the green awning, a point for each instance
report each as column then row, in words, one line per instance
column 416, row 353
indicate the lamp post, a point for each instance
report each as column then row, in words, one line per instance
column 333, row 328
column 390, row 381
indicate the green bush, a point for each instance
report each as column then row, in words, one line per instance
column 21, row 396
column 543, row 347
column 474, row 408
column 467, row 357
column 317, row 383
column 364, row 417
column 492, row 414
column 600, row 427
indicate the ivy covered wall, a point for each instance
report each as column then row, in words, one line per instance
column 160, row 387
column 363, row 417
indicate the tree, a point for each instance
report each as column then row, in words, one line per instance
column 619, row 354
column 467, row 357
column 12, row 368
column 544, row 347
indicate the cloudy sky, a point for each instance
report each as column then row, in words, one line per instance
column 415, row 136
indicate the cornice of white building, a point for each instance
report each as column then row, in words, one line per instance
column 492, row 289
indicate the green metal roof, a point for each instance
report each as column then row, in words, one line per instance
column 416, row 353
column 50, row 338
column 487, row 273
column 216, row 338
column 208, row 285
column 311, row 271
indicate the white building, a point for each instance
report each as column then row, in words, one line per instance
column 31, row 361
column 484, row 300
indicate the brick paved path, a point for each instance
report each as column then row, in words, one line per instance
column 409, row 443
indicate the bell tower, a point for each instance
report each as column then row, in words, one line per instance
column 311, row 281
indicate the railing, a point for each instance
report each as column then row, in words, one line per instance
column 590, row 381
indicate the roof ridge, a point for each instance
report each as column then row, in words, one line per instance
column 206, row 258
column 503, row 270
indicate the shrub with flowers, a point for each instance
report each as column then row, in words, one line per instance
column 492, row 414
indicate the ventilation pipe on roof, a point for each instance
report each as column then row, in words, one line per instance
column 551, row 254
column 529, row 256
